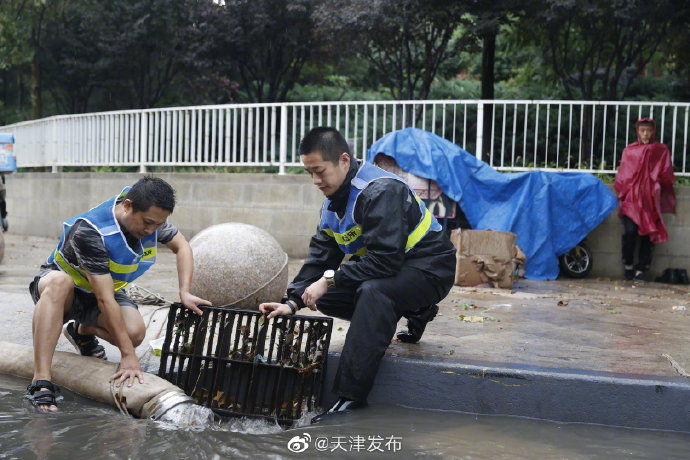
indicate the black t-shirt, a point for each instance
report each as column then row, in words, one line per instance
column 84, row 247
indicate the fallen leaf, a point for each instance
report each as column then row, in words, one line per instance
column 476, row 318
column 562, row 303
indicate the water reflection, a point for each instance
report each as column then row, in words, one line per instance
column 84, row 429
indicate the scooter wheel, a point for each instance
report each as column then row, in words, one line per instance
column 576, row 263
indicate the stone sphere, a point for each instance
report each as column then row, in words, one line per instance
column 2, row 246
column 238, row 265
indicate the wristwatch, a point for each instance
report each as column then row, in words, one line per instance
column 330, row 277
column 292, row 304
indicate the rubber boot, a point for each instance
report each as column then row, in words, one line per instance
column 341, row 406
column 416, row 323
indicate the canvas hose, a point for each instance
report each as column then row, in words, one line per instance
column 90, row 377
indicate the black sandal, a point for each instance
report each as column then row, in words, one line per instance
column 86, row 345
column 39, row 397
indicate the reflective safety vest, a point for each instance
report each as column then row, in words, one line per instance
column 126, row 265
column 347, row 231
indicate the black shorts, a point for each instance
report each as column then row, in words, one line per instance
column 84, row 306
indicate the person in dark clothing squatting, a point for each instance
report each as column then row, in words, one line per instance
column 402, row 262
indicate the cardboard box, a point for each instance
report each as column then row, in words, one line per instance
column 486, row 256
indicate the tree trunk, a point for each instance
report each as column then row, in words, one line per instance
column 35, row 89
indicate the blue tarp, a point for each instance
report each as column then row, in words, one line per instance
column 549, row 211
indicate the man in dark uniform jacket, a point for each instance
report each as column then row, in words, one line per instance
column 402, row 262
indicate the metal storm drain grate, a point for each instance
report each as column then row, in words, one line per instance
column 238, row 363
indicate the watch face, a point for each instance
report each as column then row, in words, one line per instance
column 329, row 274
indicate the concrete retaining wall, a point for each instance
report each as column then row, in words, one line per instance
column 286, row 206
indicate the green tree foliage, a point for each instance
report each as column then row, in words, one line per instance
column 596, row 48
column 71, row 56
column 404, row 41
column 22, row 35
column 146, row 42
column 263, row 44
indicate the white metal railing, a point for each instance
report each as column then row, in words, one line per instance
column 517, row 135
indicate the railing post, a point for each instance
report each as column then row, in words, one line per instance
column 283, row 138
column 480, row 130
column 143, row 143
column 54, row 147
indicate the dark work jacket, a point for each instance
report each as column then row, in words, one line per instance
column 388, row 212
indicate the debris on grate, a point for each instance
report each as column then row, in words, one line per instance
column 239, row 363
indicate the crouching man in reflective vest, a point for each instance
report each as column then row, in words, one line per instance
column 81, row 283
column 402, row 262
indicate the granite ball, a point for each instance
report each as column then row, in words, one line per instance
column 238, row 265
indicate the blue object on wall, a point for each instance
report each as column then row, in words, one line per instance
column 549, row 211
column 8, row 161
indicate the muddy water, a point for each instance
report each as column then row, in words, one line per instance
column 86, row 430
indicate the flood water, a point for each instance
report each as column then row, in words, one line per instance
column 84, row 429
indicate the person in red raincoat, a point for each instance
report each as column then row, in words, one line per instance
column 644, row 186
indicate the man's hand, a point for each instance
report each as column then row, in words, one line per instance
column 129, row 370
column 185, row 270
column 192, row 302
column 314, row 292
column 275, row 309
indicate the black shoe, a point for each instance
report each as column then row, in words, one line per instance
column 639, row 277
column 629, row 274
column 416, row 323
column 682, row 276
column 86, row 345
column 341, row 406
column 669, row 276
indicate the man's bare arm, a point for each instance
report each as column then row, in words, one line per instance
column 185, row 270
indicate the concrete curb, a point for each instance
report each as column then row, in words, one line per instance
column 552, row 394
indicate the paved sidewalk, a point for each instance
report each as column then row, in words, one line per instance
column 593, row 350
column 591, row 324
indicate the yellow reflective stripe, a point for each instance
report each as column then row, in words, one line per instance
column 349, row 236
column 420, row 231
column 78, row 277
column 121, row 268
column 150, row 252
column 119, row 284
column 127, row 268
column 361, row 251
column 328, row 232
